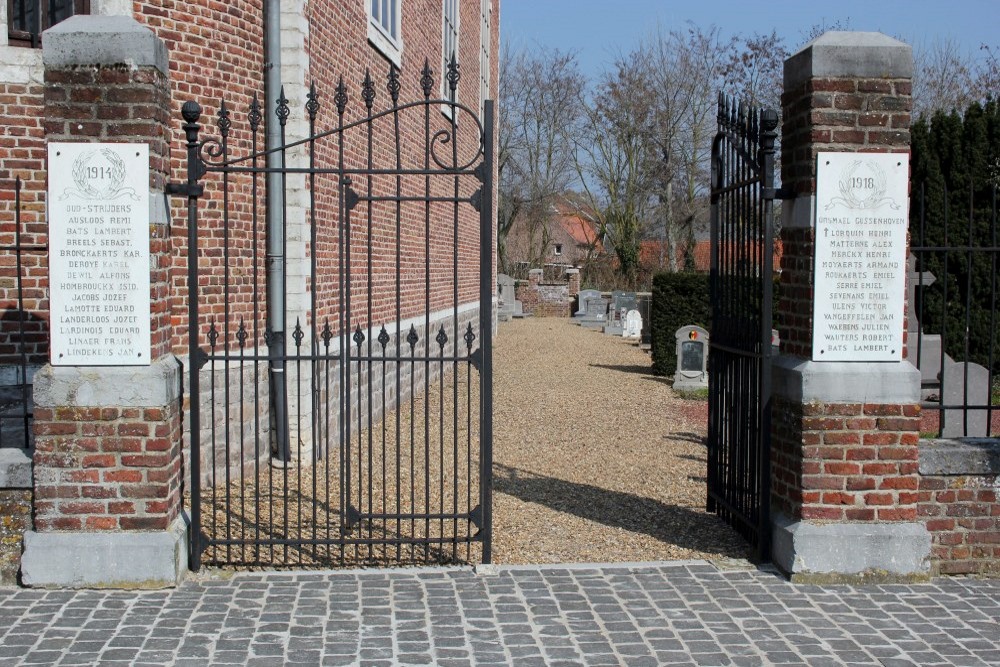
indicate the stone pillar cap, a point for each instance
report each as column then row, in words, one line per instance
column 843, row 54
column 84, row 40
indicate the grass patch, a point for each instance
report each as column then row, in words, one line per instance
column 693, row 394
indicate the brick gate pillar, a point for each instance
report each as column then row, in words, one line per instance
column 107, row 463
column 844, row 433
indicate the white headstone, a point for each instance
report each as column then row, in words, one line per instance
column 633, row 325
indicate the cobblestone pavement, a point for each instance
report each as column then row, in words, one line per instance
column 671, row 613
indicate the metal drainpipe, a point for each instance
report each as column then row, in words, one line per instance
column 275, row 232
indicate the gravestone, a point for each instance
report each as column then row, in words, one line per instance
column 923, row 350
column 597, row 313
column 508, row 301
column 633, row 325
column 582, row 298
column 621, row 303
column 965, row 384
column 692, row 358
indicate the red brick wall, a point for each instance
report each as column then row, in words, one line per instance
column 845, row 461
column 105, row 469
column 22, row 155
column 963, row 516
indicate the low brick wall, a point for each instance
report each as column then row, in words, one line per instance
column 958, row 499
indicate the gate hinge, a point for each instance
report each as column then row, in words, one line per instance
column 480, row 172
column 477, row 200
column 351, row 198
column 476, row 516
column 185, row 189
column 782, row 193
column 476, row 359
column 198, row 359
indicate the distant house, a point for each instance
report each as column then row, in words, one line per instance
column 568, row 237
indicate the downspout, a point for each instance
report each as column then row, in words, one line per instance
column 275, row 220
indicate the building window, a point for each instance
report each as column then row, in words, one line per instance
column 27, row 19
column 558, row 249
column 449, row 50
column 384, row 28
column 485, row 44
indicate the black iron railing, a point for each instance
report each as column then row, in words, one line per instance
column 23, row 335
column 954, row 328
column 739, row 404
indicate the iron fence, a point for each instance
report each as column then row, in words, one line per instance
column 953, row 325
column 23, row 338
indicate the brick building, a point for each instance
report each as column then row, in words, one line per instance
column 417, row 263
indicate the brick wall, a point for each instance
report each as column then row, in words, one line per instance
column 22, row 155
column 107, row 469
column 845, row 461
column 963, row 516
column 546, row 299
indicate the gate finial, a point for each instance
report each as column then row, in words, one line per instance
column 427, row 79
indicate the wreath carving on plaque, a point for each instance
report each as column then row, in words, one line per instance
column 99, row 175
column 863, row 185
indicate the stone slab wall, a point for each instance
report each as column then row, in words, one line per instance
column 15, row 519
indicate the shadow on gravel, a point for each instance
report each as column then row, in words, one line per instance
column 637, row 369
column 670, row 524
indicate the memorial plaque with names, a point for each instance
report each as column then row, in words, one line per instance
column 862, row 211
column 98, row 204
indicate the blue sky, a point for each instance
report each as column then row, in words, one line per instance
column 599, row 30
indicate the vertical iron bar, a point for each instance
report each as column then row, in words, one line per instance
column 769, row 123
column 486, row 288
column 946, row 282
column 966, row 399
column 319, row 446
column 22, row 345
column 455, row 338
column 394, row 87
column 191, row 112
column 992, row 376
column 369, row 94
column 427, row 323
column 224, row 143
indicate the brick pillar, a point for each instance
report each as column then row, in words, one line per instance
column 573, row 276
column 107, row 463
column 844, row 433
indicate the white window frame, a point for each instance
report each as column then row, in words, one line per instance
column 485, row 49
column 388, row 39
column 557, row 249
column 451, row 29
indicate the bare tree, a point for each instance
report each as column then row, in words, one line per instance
column 539, row 101
column 943, row 77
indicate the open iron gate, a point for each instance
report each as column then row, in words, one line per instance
column 364, row 436
column 739, row 364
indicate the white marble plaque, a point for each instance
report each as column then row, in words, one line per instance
column 98, row 206
column 862, row 206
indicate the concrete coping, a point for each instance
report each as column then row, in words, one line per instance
column 843, row 54
column 156, row 385
column 804, row 381
column 960, row 456
column 87, row 40
column 15, row 468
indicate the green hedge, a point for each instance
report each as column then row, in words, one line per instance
column 679, row 299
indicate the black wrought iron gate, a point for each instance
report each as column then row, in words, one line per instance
column 739, row 365
column 364, row 435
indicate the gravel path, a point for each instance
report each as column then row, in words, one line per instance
column 595, row 458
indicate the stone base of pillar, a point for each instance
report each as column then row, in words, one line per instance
column 139, row 559
column 811, row 552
